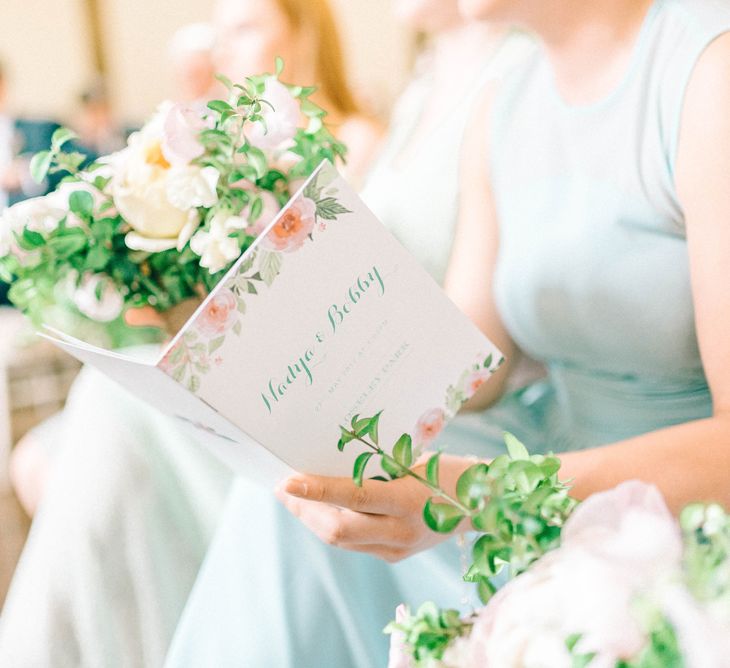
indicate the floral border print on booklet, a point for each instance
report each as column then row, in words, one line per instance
column 325, row 316
column 613, row 582
column 162, row 220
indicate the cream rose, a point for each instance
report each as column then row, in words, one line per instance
column 158, row 199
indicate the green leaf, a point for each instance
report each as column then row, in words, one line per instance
column 270, row 266
column 358, row 470
column 515, row 448
column 66, row 245
column 345, row 437
column 224, row 80
column 257, row 206
column 354, row 420
column 442, row 517
column 278, row 66
column 432, row 469
column 81, row 203
column 391, row 467
column 362, row 426
column 373, row 427
column 40, row 164
column 488, row 361
column 257, row 160
column 30, row 240
column 194, row 383
column 485, row 589
column 219, row 106
column 403, row 450
column 572, row 640
column 329, row 208
column 525, row 475
column 472, row 487
column 215, row 344
column 61, row 136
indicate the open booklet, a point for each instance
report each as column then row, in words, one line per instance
column 326, row 316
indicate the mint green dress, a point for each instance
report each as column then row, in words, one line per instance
column 592, row 279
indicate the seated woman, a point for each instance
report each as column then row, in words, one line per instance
column 132, row 498
column 596, row 236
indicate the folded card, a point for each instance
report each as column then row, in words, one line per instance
column 325, row 317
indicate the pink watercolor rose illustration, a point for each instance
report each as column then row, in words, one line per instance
column 429, row 426
column 295, row 225
column 474, row 381
column 219, row 314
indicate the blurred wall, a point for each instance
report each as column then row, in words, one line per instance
column 47, row 48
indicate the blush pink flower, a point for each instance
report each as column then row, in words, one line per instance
column 474, row 381
column 429, row 426
column 181, row 128
column 219, row 314
column 294, row 226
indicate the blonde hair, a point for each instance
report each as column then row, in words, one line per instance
column 315, row 19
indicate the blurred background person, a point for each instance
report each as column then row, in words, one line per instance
column 20, row 138
column 98, row 131
column 130, row 500
column 191, row 56
column 252, row 33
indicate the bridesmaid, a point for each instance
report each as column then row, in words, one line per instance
column 596, row 237
column 132, row 498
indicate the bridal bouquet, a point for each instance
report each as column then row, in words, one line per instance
column 615, row 582
column 162, row 220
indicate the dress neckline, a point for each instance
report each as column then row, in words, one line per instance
column 638, row 52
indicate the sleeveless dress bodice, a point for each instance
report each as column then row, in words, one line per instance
column 593, row 269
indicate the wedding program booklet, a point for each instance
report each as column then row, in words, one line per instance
column 325, row 317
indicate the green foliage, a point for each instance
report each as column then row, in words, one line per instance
column 662, row 650
column 430, row 631
column 516, row 502
column 706, row 530
column 164, row 279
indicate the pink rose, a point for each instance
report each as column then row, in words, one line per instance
column 181, row 128
column 294, row 226
column 474, row 381
column 270, row 206
column 429, row 426
column 219, row 314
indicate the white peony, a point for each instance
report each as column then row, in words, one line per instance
column 280, row 119
column 97, row 298
column 39, row 214
column 617, row 547
column 159, row 200
column 215, row 247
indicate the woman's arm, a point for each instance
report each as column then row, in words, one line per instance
column 474, row 251
column 690, row 462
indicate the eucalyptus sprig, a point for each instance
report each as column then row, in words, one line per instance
column 516, row 502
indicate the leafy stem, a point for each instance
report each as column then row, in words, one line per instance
column 405, row 471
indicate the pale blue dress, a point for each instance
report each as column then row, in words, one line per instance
column 592, row 278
